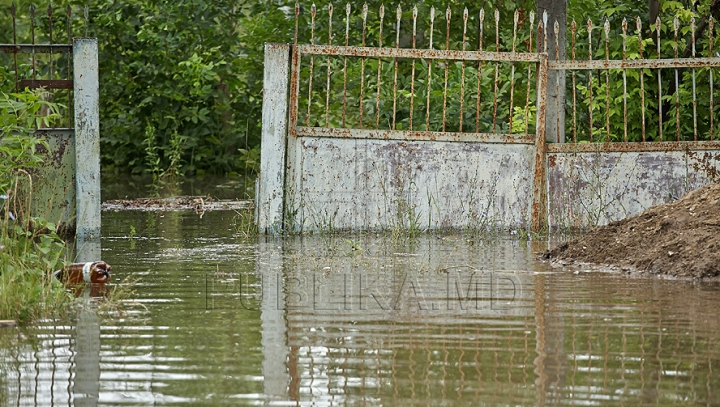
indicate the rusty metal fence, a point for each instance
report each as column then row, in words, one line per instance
column 649, row 70
column 63, row 69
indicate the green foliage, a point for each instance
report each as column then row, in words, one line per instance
column 29, row 247
column 174, row 66
column 20, row 114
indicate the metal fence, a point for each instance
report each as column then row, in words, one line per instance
column 41, row 49
column 66, row 188
column 483, row 83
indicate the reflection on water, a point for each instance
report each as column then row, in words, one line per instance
column 363, row 321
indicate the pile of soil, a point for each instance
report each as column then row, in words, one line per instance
column 678, row 239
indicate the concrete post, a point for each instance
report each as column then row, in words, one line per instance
column 274, row 131
column 87, row 137
column 556, row 12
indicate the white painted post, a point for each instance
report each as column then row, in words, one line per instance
column 87, row 137
column 273, row 143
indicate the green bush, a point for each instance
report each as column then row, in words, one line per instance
column 30, row 249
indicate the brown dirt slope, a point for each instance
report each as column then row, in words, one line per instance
column 680, row 239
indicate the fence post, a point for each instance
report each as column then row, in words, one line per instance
column 87, row 137
column 274, row 135
column 538, row 216
column 556, row 12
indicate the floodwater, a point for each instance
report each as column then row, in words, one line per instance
column 221, row 319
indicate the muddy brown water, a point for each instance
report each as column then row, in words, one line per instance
column 220, row 319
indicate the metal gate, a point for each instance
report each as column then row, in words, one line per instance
column 397, row 152
column 66, row 188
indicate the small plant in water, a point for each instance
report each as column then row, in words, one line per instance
column 354, row 245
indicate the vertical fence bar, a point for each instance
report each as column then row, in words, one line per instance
column 660, row 112
column 481, row 19
column 573, row 28
column 313, row 12
column 462, row 74
column 624, row 57
column 347, row 42
column 327, row 87
column 676, row 26
column 694, row 80
column 274, row 128
column 638, row 24
column 68, row 14
column 516, row 17
column 497, row 68
column 447, row 67
column 379, row 71
column 590, row 78
column 529, row 73
column 50, row 34
column 556, row 28
column 430, row 66
column 32, row 41
column 607, row 81
column 362, row 66
column 14, row 33
column 395, row 78
column 711, row 35
column 87, row 137
column 412, row 74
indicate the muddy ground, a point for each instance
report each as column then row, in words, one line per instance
column 677, row 239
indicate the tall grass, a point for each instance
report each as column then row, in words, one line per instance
column 30, row 248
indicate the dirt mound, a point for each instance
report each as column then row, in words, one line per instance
column 680, row 239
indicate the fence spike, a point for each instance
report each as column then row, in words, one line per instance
column 481, row 19
column 379, row 71
column 694, row 79
column 430, row 66
column 412, row 74
column 638, row 24
column 448, row 15
column 573, row 30
column 590, row 79
column 362, row 66
column 395, row 72
column 529, row 73
column 32, row 39
column 676, row 26
column 329, row 60
column 711, row 33
column 624, row 57
column 462, row 69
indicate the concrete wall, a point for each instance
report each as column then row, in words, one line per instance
column 340, row 184
column 594, row 188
